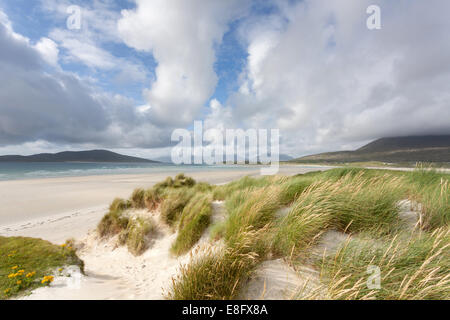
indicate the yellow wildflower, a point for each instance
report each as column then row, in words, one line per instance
column 64, row 245
column 14, row 268
column 47, row 279
column 30, row 274
column 21, row 272
column 19, row 282
column 12, row 275
column 7, row 291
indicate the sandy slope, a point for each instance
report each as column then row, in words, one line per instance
column 113, row 273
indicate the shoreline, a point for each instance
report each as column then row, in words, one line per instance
column 59, row 208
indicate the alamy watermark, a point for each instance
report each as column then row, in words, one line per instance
column 374, row 280
column 74, row 20
column 374, row 20
column 215, row 146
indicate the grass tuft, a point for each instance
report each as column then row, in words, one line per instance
column 114, row 221
column 409, row 269
column 138, row 199
column 138, row 234
column 195, row 218
column 213, row 275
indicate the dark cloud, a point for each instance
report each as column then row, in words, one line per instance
column 60, row 107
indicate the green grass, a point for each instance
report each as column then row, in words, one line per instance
column 311, row 214
column 367, row 203
column 224, row 191
column 174, row 203
column 410, row 268
column 153, row 198
column 430, row 188
column 435, row 205
column 138, row 199
column 213, row 275
column 251, row 208
column 135, row 232
column 30, row 255
column 138, row 234
column 293, row 187
column 114, row 221
column 195, row 218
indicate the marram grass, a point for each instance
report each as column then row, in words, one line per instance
column 362, row 203
column 195, row 218
column 217, row 274
column 413, row 268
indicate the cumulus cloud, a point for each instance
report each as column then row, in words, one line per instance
column 181, row 35
column 316, row 72
column 98, row 26
column 49, row 50
column 61, row 107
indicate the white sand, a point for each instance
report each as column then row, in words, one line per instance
column 112, row 272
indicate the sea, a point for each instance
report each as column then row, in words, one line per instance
column 37, row 170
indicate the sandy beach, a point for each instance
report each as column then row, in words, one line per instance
column 56, row 209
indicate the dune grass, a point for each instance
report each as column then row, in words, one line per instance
column 251, row 209
column 349, row 203
column 311, row 214
column 213, row 275
column 224, row 191
column 171, row 195
column 114, row 221
column 138, row 199
column 138, row 234
column 135, row 232
column 292, row 188
column 435, row 205
column 174, row 203
column 362, row 203
column 195, row 218
column 25, row 261
column 410, row 268
column 430, row 188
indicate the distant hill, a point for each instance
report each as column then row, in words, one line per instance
column 168, row 159
column 76, row 156
column 392, row 150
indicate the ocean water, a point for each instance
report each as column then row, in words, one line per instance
column 34, row 170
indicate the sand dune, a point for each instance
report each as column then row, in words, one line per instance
column 80, row 202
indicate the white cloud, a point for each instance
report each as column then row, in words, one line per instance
column 316, row 72
column 181, row 35
column 61, row 108
column 85, row 46
column 49, row 50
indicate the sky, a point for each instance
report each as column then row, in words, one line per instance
column 136, row 70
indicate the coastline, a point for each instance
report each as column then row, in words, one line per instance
column 56, row 209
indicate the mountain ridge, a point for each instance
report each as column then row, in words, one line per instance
column 391, row 149
column 76, row 156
